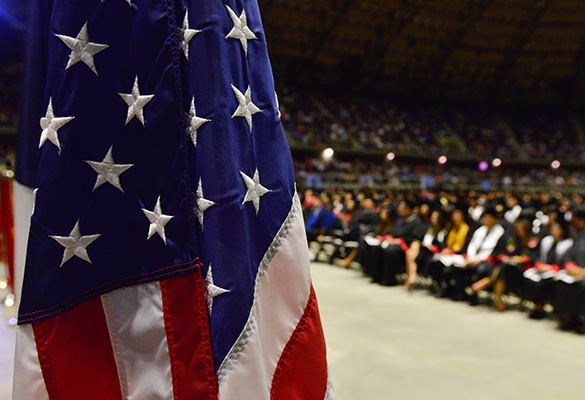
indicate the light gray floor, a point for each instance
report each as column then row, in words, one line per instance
column 385, row 343
column 388, row 344
column 7, row 337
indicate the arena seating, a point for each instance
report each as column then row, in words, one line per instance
column 363, row 123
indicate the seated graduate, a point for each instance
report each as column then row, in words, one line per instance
column 407, row 228
column 347, row 228
column 538, row 280
column 308, row 201
column 458, row 231
column 421, row 252
column 520, row 253
column 369, row 252
column 361, row 223
column 320, row 219
column 569, row 287
column 455, row 243
column 478, row 260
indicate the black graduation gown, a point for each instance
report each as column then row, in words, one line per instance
column 569, row 298
column 394, row 260
column 512, row 274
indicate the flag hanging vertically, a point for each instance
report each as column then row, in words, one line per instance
column 167, row 257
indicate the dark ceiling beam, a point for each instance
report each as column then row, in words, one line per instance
column 266, row 10
column 392, row 30
column 577, row 82
column 270, row 4
column 475, row 14
column 508, row 67
column 330, row 26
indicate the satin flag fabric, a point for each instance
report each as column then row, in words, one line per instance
column 166, row 257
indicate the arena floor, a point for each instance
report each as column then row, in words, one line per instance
column 388, row 344
column 7, row 337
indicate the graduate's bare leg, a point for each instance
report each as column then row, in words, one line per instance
column 411, row 267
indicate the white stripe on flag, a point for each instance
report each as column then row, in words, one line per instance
column 28, row 380
column 137, row 331
column 330, row 394
column 22, row 203
column 279, row 304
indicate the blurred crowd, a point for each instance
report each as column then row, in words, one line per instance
column 9, row 94
column 317, row 173
column 356, row 122
column 6, row 156
column 374, row 123
column 460, row 244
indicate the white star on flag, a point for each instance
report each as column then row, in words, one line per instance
column 202, row 203
column 255, row 189
column 50, row 125
column 75, row 244
column 186, row 34
column 212, row 289
column 158, row 220
column 195, row 122
column 240, row 30
column 82, row 49
column 109, row 171
column 245, row 106
column 136, row 103
column 35, row 192
column 277, row 105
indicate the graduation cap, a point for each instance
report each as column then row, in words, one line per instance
column 563, row 222
column 578, row 212
column 528, row 213
column 491, row 209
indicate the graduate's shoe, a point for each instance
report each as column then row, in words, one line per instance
column 537, row 314
column 567, row 323
column 472, row 296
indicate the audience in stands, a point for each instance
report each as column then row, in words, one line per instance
column 9, row 94
column 359, row 122
column 319, row 174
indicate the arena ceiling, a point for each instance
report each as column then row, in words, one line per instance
column 503, row 51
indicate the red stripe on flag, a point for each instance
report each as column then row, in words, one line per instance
column 187, row 327
column 7, row 227
column 301, row 373
column 76, row 354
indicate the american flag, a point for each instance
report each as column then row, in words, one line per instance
column 167, row 257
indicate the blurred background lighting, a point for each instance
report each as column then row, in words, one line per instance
column 556, row 164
